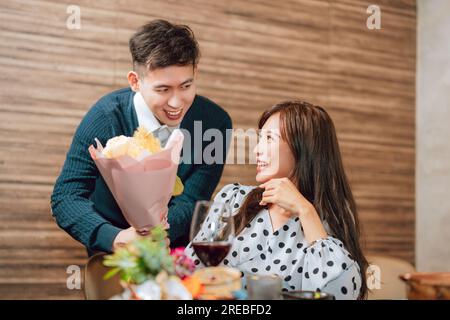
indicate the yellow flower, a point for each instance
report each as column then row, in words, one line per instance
column 146, row 140
column 178, row 187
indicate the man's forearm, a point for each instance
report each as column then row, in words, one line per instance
column 78, row 218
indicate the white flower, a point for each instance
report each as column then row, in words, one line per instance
column 116, row 147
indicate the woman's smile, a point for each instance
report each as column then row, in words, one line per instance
column 261, row 165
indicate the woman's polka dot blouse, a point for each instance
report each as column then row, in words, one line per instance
column 324, row 266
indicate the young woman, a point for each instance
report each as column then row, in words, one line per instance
column 301, row 221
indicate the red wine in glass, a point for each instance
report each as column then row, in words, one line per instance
column 212, row 231
column 211, row 253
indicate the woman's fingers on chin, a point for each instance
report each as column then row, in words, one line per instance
column 269, row 193
column 266, row 184
column 268, row 187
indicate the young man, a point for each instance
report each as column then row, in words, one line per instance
column 162, row 96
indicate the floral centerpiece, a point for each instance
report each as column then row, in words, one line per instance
column 149, row 270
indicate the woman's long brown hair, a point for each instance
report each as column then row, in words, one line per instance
column 318, row 173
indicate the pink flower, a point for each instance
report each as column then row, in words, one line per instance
column 177, row 251
column 184, row 266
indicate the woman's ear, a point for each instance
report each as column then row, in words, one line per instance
column 133, row 80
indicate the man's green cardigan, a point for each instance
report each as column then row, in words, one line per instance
column 83, row 205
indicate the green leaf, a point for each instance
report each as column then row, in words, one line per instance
column 111, row 273
column 142, row 259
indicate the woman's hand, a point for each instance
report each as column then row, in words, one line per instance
column 285, row 194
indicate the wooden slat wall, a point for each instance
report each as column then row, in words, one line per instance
column 254, row 54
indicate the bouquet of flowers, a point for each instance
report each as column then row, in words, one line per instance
column 149, row 270
column 141, row 175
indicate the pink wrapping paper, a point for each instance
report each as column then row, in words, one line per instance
column 142, row 188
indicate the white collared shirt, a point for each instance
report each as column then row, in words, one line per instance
column 147, row 119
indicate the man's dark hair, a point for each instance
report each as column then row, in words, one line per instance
column 160, row 44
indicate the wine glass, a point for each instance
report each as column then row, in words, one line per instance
column 212, row 231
